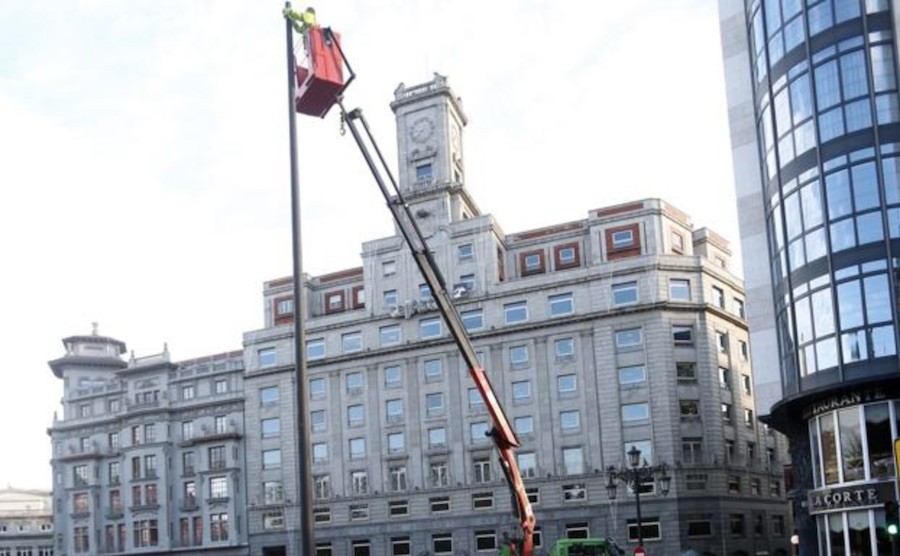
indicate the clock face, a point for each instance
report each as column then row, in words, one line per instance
column 421, row 130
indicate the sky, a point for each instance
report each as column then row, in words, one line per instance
column 144, row 170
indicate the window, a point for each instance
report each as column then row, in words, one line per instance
column 485, row 541
column 437, row 437
column 482, row 500
column 354, row 382
column 220, row 387
column 722, row 342
column 187, row 392
column 567, row 384
column 398, row 508
column 439, row 504
column 187, row 463
column 683, row 335
column 221, row 424
column 729, row 451
column 749, row 421
column 755, row 487
column 218, row 527
column 356, row 415
column 439, row 473
column 268, row 395
column 718, row 297
column 392, row 376
column 334, row 302
column 734, row 484
column 284, row 307
column 570, row 421
column 351, row 342
column 442, row 543
column 736, row 524
column 690, row 409
column 390, row 335
column 632, row 375
column 396, row 442
column 518, row 356
column 739, row 308
column 524, row 424
column 315, row 349
column 465, row 252
column 467, row 281
column 726, row 413
column 424, row 172
column 430, row 328
column 574, row 492
column 692, row 451
column 360, row 482
column 424, row 293
column 357, row 448
column 316, row 388
column 322, row 515
column 80, row 540
column 629, row 338
column 398, row 478
column 274, row 494
column 267, row 357
column 561, row 305
column 434, row 403
column 388, row 268
column 677, row 243
column 472, row 320
column 482, row 470
column 114, row 473
column 679, row 289
column 745, row 353
column 319, row 452
column 475, row 399
column 433, row 370
column 532, row 262
column 699, row 528
column 624, row 293
column 649, row 527
column 271, row 459
column 394, row 410
column 685, row 371
column 479, row 431
column 778, row 525
column 389, row 298
column 564, row 348
column 622, row 239
column 218, row 488
column 635, row 411
column 573, row 461
column 725, row 378
column 400, row 546
column 271, row 428
column 527, row 464
column 566, row 256
column 515, row 312
column 80, row 502
column 317, row 420
column 273, row 520
column 695, row 481
column 521, row 390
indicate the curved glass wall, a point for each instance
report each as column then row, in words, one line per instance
column 828, row 119
column 852, row 447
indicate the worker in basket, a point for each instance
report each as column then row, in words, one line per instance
column 301, row 21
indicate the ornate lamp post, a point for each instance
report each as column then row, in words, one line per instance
column 636, row 476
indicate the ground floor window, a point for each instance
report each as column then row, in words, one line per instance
column 853, row 532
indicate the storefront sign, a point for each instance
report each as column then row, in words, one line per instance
column 840, row 401
column 872, row 494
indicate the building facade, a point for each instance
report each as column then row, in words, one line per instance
column 148, row 455
column 26, row 522
column 815, row 132
column 625, row 328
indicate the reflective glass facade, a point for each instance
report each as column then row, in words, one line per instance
column 826, row 118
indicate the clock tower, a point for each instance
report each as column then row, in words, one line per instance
column 430, row 122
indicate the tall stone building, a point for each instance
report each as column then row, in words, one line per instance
column 26, row 522
column 625, row 328
column 148, row 454
column 815, row 131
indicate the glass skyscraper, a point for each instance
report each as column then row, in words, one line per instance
column 815, row 133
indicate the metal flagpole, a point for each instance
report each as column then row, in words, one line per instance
column 304, row 480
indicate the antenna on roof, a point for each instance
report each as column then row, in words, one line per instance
column 94, row 328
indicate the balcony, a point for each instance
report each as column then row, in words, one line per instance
column 145, row 507
column 217, row 465
column 189, row 505
column 207, row 435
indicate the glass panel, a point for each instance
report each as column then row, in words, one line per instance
column 836, row 534
column 815, row 245
column 891, row 180
column 865, row 186
column 853, row 74
column 804, row 325
column 814, row 452
column 878, row 436
column 827, row 352
column 883, row 541
column 812, row 205
column 829, row 449
column 820, row 18
column 854, row 346
column 858, row 531
column 878, row 302
column 851, row 444
column 883, row 343
column 828, row 92
column 823, row 313
column 869, row 228
column 837, row 186
column 792, row 215
column 850, row 304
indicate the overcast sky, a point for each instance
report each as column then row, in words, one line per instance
column 144, row 159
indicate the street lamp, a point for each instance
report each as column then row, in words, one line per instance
column 636, row 476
